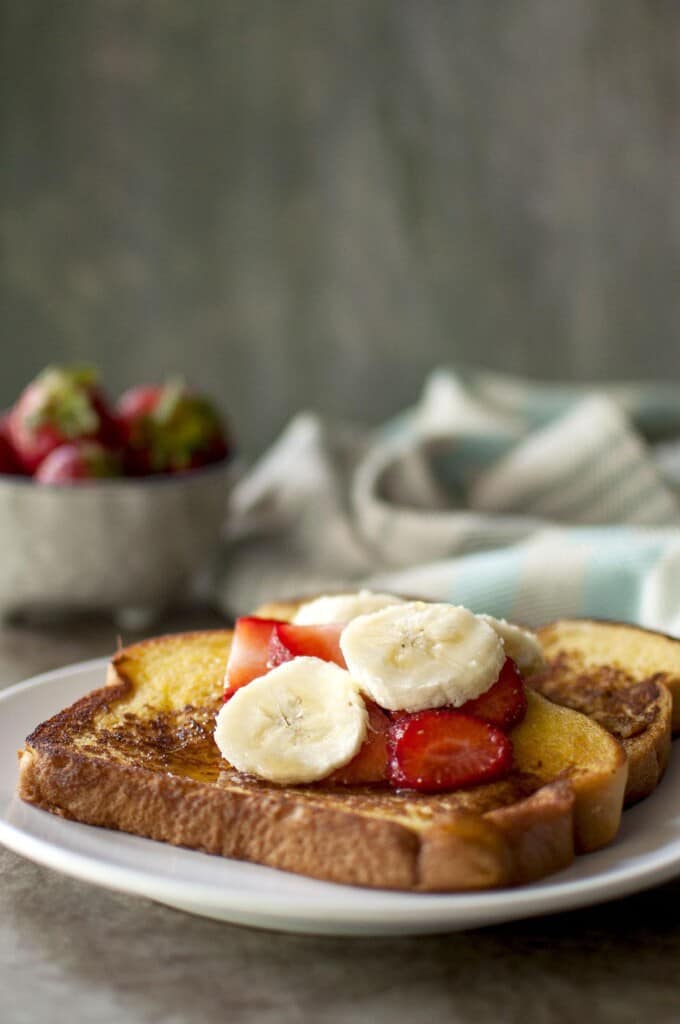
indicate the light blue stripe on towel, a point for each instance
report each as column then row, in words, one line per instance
column 615, row 574
column 488, row 581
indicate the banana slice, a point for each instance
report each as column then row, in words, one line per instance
column 416, row 655
column 296, row 724
column 342, row 607
column 520, row 644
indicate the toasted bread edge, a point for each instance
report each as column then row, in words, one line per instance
column 648, row 752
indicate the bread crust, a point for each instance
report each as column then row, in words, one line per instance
column 68, row 768
column 641, row 710
column 520, row 844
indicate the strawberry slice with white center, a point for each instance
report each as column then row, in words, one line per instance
column 259, row 645
column 435, row 751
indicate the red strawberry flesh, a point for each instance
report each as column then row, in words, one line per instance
column 313, row 641
column 505, row 703
column 434, row 751
column 259, row 645
column 254, row 652
column 370, row 765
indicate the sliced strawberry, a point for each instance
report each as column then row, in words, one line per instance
column 259, row 645
column 255, row 649
column 505, row 703
column 313, row 641
column 369, row 767
column 440, row 750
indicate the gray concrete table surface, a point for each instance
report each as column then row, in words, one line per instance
column 75, row 952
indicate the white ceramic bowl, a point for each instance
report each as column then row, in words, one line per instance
column 126, row 546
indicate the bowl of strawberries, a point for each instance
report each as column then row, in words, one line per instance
column 108, row 506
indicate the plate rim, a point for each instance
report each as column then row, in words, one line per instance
column 404, row 908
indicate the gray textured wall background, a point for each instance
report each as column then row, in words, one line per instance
column 305, row 202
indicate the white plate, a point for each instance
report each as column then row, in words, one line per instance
column 646, row 852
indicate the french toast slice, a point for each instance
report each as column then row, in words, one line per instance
column 139, row 755
column 626, row 678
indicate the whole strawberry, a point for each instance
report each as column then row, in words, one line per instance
column 61, row 405
column 169, row 429
column 9, row 462
column 77, row 462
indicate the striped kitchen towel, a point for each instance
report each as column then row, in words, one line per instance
column 527, row 501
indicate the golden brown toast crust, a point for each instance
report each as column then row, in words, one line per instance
column 157, row 773
column 620, row 676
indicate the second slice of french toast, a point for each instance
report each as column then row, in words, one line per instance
column 624, row 677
